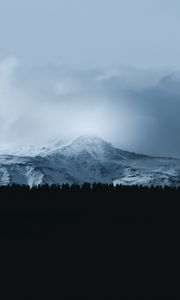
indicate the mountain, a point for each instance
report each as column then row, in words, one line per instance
column 86, row 159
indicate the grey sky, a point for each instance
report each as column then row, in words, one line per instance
column 135, row 109
column 108, row 66
column 144, row 33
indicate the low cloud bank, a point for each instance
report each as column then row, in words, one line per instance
column 135, row 109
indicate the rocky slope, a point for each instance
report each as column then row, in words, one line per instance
column 87, row 159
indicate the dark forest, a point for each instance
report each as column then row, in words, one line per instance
column 89, row 242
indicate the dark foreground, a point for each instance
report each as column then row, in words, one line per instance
column 99, row 243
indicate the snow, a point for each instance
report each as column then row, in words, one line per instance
column 31, row 150
column 86, row 159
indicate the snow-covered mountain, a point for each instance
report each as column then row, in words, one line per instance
column 86, row 159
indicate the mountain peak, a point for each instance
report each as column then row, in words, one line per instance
column 90, row 139
column 88, row 143
column 88, row 159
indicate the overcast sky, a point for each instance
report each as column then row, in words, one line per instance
column 144, row 33
column 106, row 66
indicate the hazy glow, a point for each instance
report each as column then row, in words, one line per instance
column 66, row 68
column 134, row 109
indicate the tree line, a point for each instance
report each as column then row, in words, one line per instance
column 88, row 187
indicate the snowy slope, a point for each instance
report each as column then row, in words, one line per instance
column 86, row 159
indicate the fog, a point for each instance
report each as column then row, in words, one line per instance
column 135, row 109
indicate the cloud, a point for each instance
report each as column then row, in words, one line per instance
column 135, row 109
column 13, row 99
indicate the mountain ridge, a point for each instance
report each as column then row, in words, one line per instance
column 88, row 159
